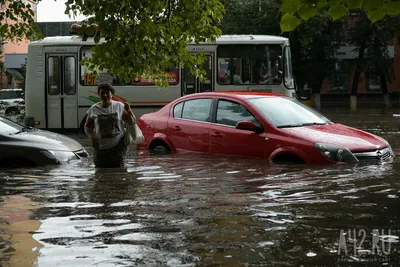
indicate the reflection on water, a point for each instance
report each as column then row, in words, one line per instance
column 201, row 210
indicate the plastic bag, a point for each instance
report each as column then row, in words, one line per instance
column 133, row 135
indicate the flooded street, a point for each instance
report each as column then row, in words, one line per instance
column 203, row 210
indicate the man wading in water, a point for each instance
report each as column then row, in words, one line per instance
column 105, row 126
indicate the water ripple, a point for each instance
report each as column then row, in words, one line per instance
column 200, row 210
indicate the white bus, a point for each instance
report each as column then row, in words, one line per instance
column 59, row 91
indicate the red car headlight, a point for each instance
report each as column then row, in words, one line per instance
column 336, row 153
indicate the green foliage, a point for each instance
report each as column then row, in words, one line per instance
column 337, row 11
column 264, row 14
column 295, row 9
column 291, row 7
column 376, row 57
column 353, row 4
column 2, row 67
column 391, row 8
column 289, row 22
column 21, row 83
column 313, row 46
column 148, row 36
column 20, row 22
column 134, row 36
column 305, row 12
column 312, row 43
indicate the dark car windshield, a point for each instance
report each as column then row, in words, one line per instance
column 8, row 126
column 287, row 112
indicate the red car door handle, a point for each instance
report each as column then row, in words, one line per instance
column 177, row 128
column 217, row 135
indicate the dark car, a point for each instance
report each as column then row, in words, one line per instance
column 26, row 146
column 11, row 101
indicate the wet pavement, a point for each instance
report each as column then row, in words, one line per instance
column 202, row 210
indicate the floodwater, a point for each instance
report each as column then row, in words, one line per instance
column 201, row 210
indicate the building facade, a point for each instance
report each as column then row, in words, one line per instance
column 13, row 54
column 341, row 80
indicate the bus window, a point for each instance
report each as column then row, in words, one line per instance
column 248, row 64
column 205, row 86
column 190, row 82
column 87, row 79
column 53, row 86
column 69, row 78
column 223, row 71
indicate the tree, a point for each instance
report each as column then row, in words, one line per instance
column 312, row 44
column 264, row 14
column 372, row 42
column 296, row 11
column 19, row 21
column 2, row 67
column 135, row 36
column 21, row 83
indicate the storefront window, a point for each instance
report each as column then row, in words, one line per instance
column 339, row 80
column 373, row 84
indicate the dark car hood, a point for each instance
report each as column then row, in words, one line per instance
column 353, row 139
column 46, row 140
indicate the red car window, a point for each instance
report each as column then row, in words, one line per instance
column 230, row 113
column 197, row 109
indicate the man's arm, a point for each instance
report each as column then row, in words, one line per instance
column 128, row 115
column 89, row 127
column 89, row 132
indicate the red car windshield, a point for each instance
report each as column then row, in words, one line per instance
column 286, row 112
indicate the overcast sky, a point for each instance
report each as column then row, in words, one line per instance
column 50, row 10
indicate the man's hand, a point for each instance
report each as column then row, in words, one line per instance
column 129, row 113
column 127, row 107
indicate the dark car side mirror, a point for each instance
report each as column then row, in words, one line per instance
column 248, row 125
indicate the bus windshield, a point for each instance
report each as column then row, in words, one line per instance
column 249, row 64
column 288, row 69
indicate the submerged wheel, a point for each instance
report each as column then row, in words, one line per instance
column 288, row 158
column 159, row 147
column 12, row 112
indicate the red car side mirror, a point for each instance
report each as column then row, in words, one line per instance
column 248, row 125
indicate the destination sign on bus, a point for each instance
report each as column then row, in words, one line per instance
column 172, row 79
column 89, row 79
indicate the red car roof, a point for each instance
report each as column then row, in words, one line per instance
column 243, row 93
column 250, row 93
column 240, row 94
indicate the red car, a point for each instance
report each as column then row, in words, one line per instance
column 262, row 125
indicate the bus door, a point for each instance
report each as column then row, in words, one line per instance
column 61, row 91
column 191, row 84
